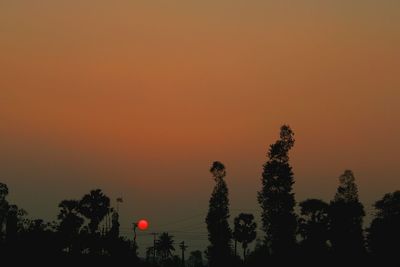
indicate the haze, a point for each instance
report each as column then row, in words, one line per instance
column 138, row 98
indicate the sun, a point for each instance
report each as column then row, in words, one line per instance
column 143, row 224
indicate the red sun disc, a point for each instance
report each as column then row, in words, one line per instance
column 143, row 224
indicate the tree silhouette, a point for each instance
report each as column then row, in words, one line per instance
column 195, row 259
column 276, row 197
column 219, row 251
column 11, row 218
column 3, row 209
column 165, row 246
column 245, row 231
column 94, row 206
column 14, row 222
column 384, row 233
column 346, row 217
column 38, row 238
column 313, row 226
column 70, row 223
column 327, row 232
column 114, row 231
column 150, row 253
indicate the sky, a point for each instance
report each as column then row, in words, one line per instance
column 138, row 98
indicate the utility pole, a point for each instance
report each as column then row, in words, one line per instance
column 183, row 248
column 134, row 236
column 119, row 200
column 154, row 246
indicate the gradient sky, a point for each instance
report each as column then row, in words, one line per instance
column 139, row 97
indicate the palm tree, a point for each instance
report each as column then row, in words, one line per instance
column 245, row 231
column 71, row 221
column 94, row 206
column 165, row 246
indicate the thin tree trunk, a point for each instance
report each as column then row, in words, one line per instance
column 235, row 247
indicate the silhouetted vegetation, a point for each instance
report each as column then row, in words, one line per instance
column 87, row 230
column 313, row 227
column 384, row 232
column 219, row 232
column 244, row 232
column 276, row 197
column 346, row 218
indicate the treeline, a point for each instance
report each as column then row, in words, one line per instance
column 320, row 233
column 76, row 233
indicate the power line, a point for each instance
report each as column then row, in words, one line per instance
column 182, row 220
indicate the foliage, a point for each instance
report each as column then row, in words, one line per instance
column 276, row 197
column 165, row 246
column 219, row 251
column 94, row 206
column 313, row 226
column 346, row 218
column 384, row 232
column 245, row 230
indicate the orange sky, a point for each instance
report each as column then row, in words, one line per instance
column 139, row 97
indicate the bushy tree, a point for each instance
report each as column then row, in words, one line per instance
column 70, row 224
column 276, row 197
column 11, row 218
column 346, row 218
column 384, row 232
column 313, row 226
column 14, row 222
column 219, row 252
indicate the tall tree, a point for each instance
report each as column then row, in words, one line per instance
column 384, row 232
column 346, row 218
column 94, row 206
column 313, row 226
column 219, row 252
column 245, row 231
column 276, row 197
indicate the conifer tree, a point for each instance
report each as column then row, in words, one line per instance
column 276, row 197
column 219, row 252
column 346, row 218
